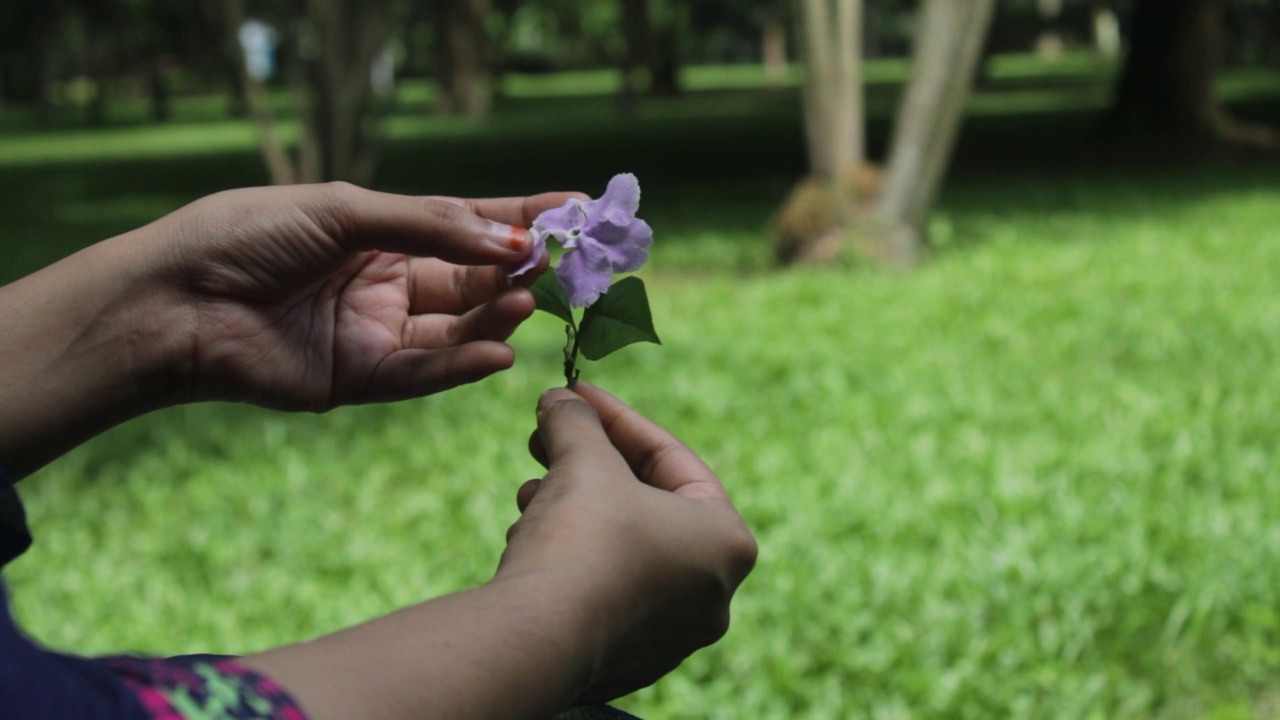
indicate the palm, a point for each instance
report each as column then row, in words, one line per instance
column 293, row 313
column 357, row 336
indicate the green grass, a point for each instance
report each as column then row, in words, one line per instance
column 1035, row 479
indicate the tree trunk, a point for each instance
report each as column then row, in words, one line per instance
column 1105, row 27
column 948, row 43
column 280, row 166
column 158, row 86
column 1049, row 44
column 331, row 47
column 773, row 48
column 638, row 34
column 1176, row 50
column 1168, row 87
column 833, row 96
column 463, row 68
column 664, row 66
column 815, row 218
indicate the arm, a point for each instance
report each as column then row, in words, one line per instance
column 623, row 563
column 86, row 343
column 302, row 297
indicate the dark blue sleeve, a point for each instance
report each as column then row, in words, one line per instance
column 36, row 684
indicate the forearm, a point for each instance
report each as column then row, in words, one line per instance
column 85, row 343
column 512, row 649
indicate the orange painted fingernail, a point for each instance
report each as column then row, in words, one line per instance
column 518, row 237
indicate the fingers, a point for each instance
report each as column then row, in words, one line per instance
column 536, row 449
column 440, row 287
column 415, row 372
column 571, row 432
column 657, row 457
column 525, row 494
column 515, row 210
column 495, row 320
column 367, row 220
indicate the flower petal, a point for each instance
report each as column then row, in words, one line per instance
column 620, row 201
column 557, row 222
column 626, row 245
column 585, row 273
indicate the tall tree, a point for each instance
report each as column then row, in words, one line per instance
column 651, row 35
column 1177, row 48
column 833, row 95
column 947, row 46
column 637, row 30
column 329, row 48
column 773, row 40
column 820, row 211
column 463, row 57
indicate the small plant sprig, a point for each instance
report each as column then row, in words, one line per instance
column 601, row 238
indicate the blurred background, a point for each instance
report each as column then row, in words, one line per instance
column 972, row 303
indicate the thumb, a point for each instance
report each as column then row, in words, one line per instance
column 571, row 433
column 423, row 227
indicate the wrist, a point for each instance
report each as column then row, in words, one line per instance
column 86, row 343
column 567, row 617
column 514, row 647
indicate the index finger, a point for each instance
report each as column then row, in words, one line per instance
column 520, row 211
column 656, row 456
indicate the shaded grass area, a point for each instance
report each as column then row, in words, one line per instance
column 1034, row 479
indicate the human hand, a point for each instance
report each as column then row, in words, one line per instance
column 638, row 526
column 309, row 297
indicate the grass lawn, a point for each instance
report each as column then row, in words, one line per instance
column 1034, row 479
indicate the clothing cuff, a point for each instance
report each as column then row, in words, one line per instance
column 203, row 687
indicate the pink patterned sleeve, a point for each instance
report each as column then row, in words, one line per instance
column 203, row 687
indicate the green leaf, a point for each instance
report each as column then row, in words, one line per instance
column 551, row 296
column 617, row 319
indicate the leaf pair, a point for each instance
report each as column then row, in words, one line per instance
column 615, row 320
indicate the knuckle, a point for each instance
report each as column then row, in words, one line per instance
column 338, row 201
column 717, row 626
column 744, row 550
column 340, row 195
column 446, row 218
column 563, row 406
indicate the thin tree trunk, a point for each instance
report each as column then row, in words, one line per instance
column 638, row 35
column 462, row 57
column 664, row 66
column 773, row 49
column 158, row 84
column 948, row 44
column 1049, row 44
column 818, row 89
column 1105, row 27
column 279, row 166
column 849, row 134
column 833, row 94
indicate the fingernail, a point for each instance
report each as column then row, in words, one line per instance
column 511, row 237
column 552, row 396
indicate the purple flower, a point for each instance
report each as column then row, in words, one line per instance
column 601, row 237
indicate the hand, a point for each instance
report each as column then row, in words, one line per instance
column 636, row 524
column 309, row 297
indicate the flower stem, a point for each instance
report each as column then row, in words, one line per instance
column 570, row 356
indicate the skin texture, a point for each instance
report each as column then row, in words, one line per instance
column 298, row 298
column 628, row 550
